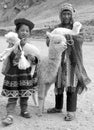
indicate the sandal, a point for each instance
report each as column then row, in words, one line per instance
column 8, row 120
column 25, row 114
column 54, row 110
column 69, row 117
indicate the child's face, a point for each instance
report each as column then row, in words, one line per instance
column 24, row 32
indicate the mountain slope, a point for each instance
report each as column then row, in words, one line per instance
column 47, row 12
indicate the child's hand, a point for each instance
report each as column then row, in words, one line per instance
column 31, row 58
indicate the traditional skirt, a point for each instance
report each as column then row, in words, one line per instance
column 19, row 83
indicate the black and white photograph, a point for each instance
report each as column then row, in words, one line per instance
column 46, row 64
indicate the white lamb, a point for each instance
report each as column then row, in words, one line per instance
column 48, row 67
column 14, row 41
column 76, row 29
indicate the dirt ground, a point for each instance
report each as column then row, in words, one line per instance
column 85, row 108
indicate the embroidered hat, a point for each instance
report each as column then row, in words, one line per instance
column 24, row 21
column 67, row 6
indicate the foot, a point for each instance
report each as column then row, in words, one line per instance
column 7, row 120
column 25, row 114
column 39, row 113
column 69, row 117
column 54, row 110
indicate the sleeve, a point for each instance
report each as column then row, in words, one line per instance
column 12, row 55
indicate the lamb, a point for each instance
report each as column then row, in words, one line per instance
column 76, row 28
column 14, row 41
column 48, row 67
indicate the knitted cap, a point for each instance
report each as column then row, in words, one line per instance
column 67, row 6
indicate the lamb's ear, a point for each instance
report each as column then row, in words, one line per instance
column 48, row 34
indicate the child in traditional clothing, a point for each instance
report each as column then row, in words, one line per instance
column 18, row 83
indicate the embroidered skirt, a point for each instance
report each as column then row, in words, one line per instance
column 19, row 83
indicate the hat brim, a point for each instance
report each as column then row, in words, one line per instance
column 25, row 22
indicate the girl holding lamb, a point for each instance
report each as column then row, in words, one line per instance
column 18, row 82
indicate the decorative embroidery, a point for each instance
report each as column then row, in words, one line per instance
column 19, row 83
column 26, row 83
column 11, row 83
column 16, row 93
column 10, row 93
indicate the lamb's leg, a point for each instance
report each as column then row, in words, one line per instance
column 48, row 85
column 45, row 94
column 41, row 98
column 42, row 93
column 34, row 98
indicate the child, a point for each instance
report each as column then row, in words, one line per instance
column 18, row 83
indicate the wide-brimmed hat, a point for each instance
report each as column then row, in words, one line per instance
column 24, row 21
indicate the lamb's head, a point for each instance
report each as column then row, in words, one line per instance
column 57, row 41
column 12, row 37
column 76, row 27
